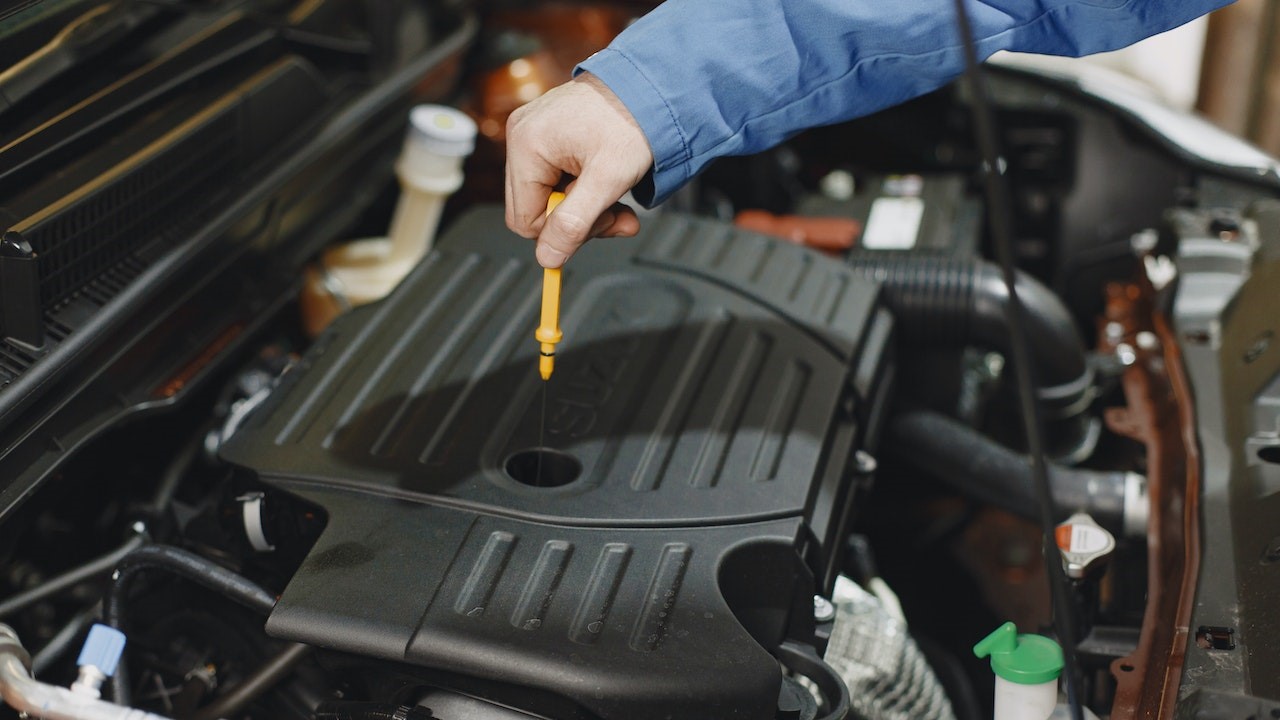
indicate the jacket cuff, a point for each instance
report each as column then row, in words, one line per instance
column 656, row 117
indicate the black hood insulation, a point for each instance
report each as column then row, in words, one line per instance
column 689, row 497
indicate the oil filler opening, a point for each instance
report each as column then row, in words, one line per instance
column 543, row 467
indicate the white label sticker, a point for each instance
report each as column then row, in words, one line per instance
column 893, row 224
column 1088, row 539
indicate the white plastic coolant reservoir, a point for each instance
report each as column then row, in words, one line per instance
column 430, row 170
column 438, row 141
column 1027, row 669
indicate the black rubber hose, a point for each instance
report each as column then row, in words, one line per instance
column 370, row 711
column 266, row 677
column 961, row 301
column 176, row 471
column 62, row 641
column 993, row 474
column 183, row 564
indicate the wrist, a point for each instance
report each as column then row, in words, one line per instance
column 645, row 106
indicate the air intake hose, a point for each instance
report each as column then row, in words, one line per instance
column 941, row 300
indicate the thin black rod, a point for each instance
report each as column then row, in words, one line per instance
column 98, row 567
column 1002, row 233
column 251, row 688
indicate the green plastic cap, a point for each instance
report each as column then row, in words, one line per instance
column 1023, row 659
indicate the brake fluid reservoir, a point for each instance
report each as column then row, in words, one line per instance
column 1027, row 669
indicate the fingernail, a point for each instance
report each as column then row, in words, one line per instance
column 550, row 257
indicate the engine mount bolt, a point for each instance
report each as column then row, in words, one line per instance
column 823, row 610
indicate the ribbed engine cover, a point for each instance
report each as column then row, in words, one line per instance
column 709, row 393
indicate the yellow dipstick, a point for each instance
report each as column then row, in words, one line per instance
column 548, row 333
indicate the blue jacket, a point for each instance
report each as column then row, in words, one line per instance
column 707, row 78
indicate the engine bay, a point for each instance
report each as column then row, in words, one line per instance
column 779, row 472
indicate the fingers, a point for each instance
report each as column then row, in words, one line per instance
column 587, row 210
column 624, row 223
column 578, row 129
column 529, row 182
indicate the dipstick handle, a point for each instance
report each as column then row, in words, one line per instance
column 548, row 332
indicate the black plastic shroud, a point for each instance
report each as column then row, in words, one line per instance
column 713, row 386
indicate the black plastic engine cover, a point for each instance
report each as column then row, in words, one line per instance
column 710, row 391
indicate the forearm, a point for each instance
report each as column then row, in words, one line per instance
column 708, row 78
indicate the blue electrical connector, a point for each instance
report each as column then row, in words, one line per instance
column 102, row 649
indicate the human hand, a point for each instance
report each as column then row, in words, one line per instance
column 581, row 129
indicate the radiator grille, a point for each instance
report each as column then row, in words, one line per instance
column 103, row 228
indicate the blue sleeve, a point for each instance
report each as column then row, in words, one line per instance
column 708, row 78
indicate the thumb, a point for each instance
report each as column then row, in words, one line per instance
column 571, row 223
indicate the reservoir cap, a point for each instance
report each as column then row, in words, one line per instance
column 1023, row 659
column 443, row 130
column 1083, row 543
